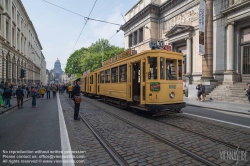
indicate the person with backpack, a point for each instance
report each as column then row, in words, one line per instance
column 202, row 91
column 42, row 91
column 19, row 96
column 33, row 95
column 60, row 89
column 54, row 89
column 7, row 95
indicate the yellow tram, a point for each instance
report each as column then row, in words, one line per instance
column 149, row 81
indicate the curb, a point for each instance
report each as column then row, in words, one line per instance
column 217, row 109
column 1, row 112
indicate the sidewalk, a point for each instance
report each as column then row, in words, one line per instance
column 223, row 106
column 13, row 102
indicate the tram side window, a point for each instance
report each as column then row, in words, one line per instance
column 114, row 74
column 153, row 68
column 162, row 66
column 107, row 76
column 102, row 77
column 171, row 69
column 180, row 68
column 123, row 73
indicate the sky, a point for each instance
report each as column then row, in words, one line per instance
column 58, row 29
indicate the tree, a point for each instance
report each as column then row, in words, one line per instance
column 98, row 51
column 73, row 62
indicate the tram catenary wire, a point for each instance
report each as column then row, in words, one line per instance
column 86, row 20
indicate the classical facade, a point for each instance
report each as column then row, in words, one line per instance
column 20, row 47
column 57, row 71
column 65, row 79
column 176, row 22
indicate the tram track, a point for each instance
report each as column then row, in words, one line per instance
column 220, row 126
column 158, row 137
column 109, row 149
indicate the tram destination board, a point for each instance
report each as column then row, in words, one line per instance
column 155, row 86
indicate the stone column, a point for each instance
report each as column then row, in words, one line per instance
column 230, row 47
column 207, row 59
column 230, row 74
column 189, row 57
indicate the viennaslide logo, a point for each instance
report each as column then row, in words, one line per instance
column 233, row 155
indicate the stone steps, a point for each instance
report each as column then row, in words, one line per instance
column 229, row 93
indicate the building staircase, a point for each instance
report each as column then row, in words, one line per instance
column 229, row 93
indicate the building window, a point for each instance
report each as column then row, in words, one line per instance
column 135, row 37
column 13, row 37
column 130, row 40
column 21, row 49
column 140, row 35
column 246, row 60
column 13, row 12
column 7, row 31
column 7, row 5
column 123, row 73
column 114, row 74
column 17, row 41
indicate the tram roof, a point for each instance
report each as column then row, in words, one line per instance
column 157, row 51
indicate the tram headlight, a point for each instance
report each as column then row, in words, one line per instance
column 172, row 95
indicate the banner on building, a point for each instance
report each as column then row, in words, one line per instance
column 201, row 27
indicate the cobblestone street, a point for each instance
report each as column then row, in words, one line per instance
column 204, row 138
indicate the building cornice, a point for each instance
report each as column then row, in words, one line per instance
column 235, row 7
column 151, row 8
column 29, row 22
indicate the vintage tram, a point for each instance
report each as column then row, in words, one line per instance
column 149, row 81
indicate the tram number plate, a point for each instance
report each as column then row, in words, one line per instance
column 172, row 86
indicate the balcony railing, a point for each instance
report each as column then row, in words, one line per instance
column 230, row 3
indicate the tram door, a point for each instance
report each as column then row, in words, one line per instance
column 143, row 82
column 136, row 81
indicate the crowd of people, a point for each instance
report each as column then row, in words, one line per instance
column 9, row 91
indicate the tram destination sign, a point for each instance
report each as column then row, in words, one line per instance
column 155, row 86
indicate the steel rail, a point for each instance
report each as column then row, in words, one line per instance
column 220, row 126
column 204, row 136
column 114, row 155
column 170, row 143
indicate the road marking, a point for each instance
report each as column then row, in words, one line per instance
column 218, row 120
column 64, row 134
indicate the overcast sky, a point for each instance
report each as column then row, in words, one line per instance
column 58, row 29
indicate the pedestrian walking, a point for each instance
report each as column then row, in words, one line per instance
column 33, row 95
column 19, row 96
column 70, row 90
column 14, row 90
column 77, row 99
column 60, row 89
column 202, row 89
column 2, row 90
column 248, row 92
column 54, row 89
column 198, row 87
column 48, row 88
column 28, row 91
column 42, row 91
column 7, row 95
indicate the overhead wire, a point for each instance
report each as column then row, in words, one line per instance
column 86, row 18
column 84, row 26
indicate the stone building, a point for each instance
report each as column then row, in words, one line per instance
column 65, row 79
column 57, row 71
column 176, row 22
column 20, row 47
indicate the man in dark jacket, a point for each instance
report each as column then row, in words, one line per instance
column 76, row 92
column 19, row 96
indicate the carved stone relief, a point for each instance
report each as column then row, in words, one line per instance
column 185, row 17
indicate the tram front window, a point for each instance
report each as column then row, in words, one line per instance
column 180, row 67
column 171, row 69
column 153, row 68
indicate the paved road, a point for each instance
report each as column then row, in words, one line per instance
column 220, row 115
column 31, row 128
